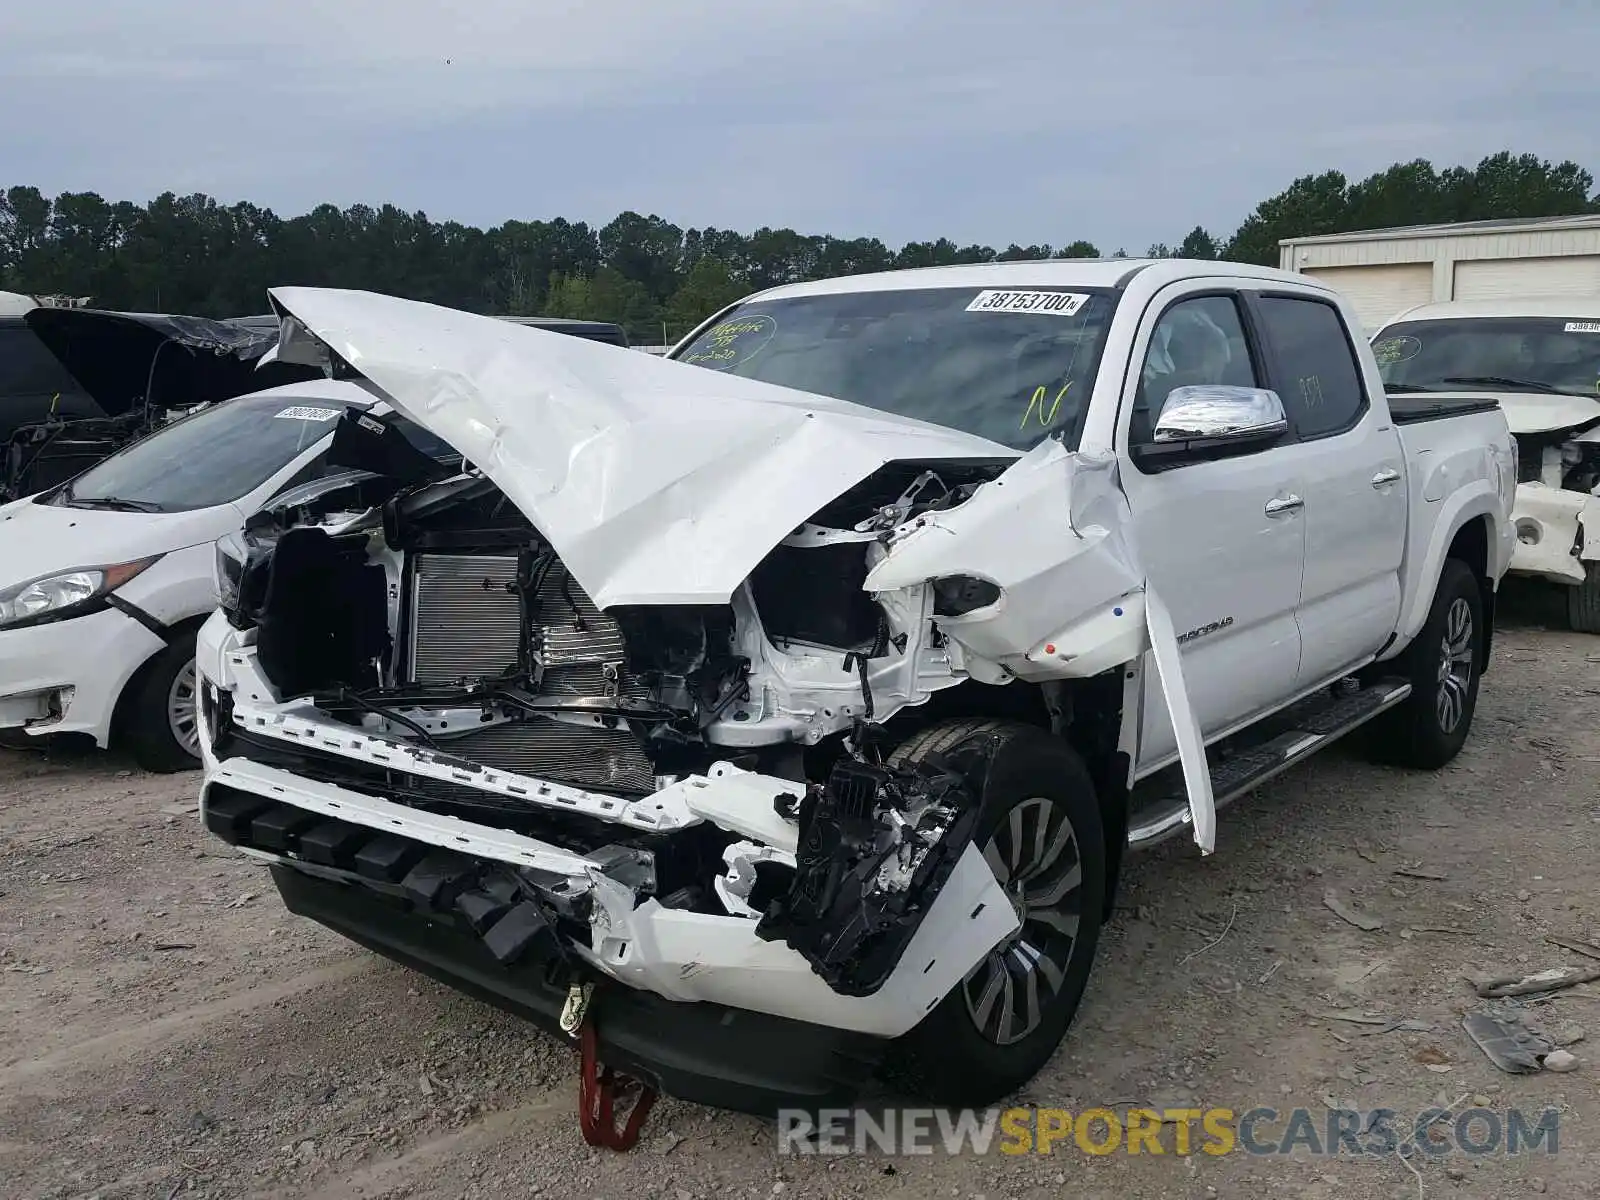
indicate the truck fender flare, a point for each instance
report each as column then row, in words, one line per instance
column 1475, row 500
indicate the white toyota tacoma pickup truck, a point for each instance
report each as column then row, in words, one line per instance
column 770, row 714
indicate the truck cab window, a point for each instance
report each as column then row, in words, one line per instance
column 1319, row 382
column 1199, row 341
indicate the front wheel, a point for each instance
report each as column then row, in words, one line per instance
column 1041, row 833
column 163, row 711
column 1442, row 665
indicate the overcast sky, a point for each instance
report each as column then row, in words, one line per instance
column 1023, row 120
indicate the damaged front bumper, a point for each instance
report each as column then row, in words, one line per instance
column 513, row 905
column 1558, row 531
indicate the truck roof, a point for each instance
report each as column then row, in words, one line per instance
column 1054, row 272
column 1582, row 307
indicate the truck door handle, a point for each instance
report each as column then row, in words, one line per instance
column 1385, row 477
column 1279, row 505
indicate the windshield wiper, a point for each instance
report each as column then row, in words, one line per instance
column 1406, row 389
column 115, row 503
column 1521, row 385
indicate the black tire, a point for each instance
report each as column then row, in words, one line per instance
column 953, row 1057
column 149, row 727
column 1583, row 601
column 1443, row 665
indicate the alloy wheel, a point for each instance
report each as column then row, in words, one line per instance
column 1455, row 666
column 1035, row 856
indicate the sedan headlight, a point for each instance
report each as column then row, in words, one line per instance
column 66, row 594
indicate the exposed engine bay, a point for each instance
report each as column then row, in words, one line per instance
column 430, row 618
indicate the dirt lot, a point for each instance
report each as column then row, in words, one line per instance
column 166, row 1030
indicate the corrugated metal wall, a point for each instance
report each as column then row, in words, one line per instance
column 1488, row 278
column 1383, row 275
column 1378, row 291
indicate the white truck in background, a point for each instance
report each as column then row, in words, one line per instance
column 1540, row 359
column 788, row 705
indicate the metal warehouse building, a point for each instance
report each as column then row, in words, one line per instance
column 1384, row 271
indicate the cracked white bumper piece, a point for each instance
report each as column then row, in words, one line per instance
column 1558, row 531
column 681, row 955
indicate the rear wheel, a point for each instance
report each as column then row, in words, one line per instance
column 1583, row 601
column 1430, row 727
column 1040, row 832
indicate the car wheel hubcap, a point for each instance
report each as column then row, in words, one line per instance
column 1035, row 857
column 183, row 710
column 1455, row 666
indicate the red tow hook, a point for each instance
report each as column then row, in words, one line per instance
column 598, row 1088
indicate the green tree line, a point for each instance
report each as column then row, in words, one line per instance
column 193, row 254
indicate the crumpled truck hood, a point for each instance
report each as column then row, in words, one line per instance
column 657, row 482
column 1528, row 414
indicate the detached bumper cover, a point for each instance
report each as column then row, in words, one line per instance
column 678, row 954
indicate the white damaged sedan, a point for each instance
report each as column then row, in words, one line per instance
column 105, row 579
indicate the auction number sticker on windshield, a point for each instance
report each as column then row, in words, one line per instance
column 305, row 412
column 1582, row 327
column 1054, row 304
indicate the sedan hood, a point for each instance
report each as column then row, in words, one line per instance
column 48, row 539
column 656, row 482
column 1528, row 413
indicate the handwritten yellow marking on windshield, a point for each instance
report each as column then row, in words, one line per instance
column 730, row 343
column 1036, row 405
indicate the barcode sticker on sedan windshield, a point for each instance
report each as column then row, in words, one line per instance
column 1055, row 304
column 304, row 412
column 1583, row 327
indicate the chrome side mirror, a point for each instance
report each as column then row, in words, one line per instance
column 1220, row 413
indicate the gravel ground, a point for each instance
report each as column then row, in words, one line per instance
column 167, row 1030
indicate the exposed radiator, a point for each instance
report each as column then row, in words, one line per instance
column 610, row 759
column 465, row 625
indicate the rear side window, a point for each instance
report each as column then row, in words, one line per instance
column 1317, row 376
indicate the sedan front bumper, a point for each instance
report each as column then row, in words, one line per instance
column 66, row 676
column 1557, row 532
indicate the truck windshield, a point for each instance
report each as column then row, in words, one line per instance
column 1555, row 355
column 1010, row 365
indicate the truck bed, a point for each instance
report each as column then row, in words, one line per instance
column 1408, row 408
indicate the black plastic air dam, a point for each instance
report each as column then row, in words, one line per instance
column 703, row 1053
